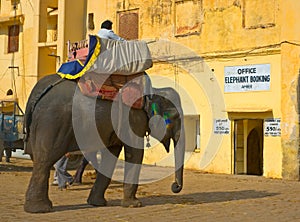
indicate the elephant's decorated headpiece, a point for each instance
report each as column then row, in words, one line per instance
column 166, row 115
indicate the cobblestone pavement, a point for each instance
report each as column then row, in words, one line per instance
column 205, row 197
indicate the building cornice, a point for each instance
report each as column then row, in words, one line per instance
column 11, row 20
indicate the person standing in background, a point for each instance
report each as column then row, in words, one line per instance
column 61, row 176
column 91, row 158
column 79, row 172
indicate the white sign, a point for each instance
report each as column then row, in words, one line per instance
column 272, row 127
column 247, row 78
column 221, row 126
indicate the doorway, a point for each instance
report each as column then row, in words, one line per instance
column 248, row 146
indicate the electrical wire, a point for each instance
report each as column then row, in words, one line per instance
column 238, row 53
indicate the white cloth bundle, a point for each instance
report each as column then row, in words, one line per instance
column 122, row 57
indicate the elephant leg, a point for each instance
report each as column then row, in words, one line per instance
column 133, row 165
column 37, row 199
column 108, row 162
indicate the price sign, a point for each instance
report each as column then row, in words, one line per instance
column 221, row 126
column 272, row 127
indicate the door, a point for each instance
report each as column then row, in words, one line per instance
column 254, row 152
column 248, row 146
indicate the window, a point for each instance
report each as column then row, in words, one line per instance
column 192, row 132
column 254, row 18
column 13, row 38
column 91, row 25
column 129, row 19
column 188, row 18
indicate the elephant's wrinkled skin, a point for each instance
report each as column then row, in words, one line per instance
column 50, row 134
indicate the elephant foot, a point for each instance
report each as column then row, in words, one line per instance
column 41, row 206
column 99, row 202
column 131, row 203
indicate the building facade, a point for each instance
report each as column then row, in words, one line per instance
column 33, row 35
column 235, row 64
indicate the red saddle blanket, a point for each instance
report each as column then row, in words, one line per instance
column 128, row 88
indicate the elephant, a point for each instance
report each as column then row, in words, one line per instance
column 50, row 133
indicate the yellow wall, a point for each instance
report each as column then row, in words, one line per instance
column 290, row 32
column 204, row 37
column 254, row 105
column 228, row 33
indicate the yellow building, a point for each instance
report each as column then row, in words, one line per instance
column 235, row 64
column 33, row 35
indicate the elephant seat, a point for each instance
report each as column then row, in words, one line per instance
column 129, row 88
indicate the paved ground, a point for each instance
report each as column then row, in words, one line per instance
column 205, row 197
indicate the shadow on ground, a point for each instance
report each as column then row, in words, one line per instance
column 186, row 199
column 70, row 207
column 206, row 197
column 14, row 168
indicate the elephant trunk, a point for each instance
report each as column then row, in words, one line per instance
column 179, row 151
column 177, row 185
